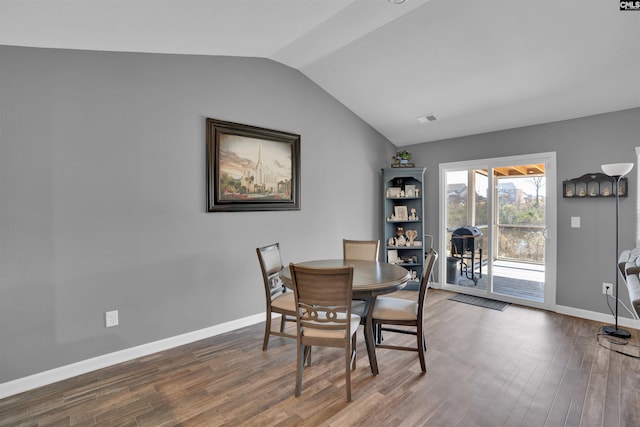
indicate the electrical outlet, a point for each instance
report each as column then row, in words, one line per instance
column 607, row 288
column 111, row 318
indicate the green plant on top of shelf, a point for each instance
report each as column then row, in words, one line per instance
column 401, row 155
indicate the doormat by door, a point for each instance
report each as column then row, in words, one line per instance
column 480, row 302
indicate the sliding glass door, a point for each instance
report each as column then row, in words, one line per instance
column 497, row 220
column 466, row 231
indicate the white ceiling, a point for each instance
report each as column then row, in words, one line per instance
column 477, row 65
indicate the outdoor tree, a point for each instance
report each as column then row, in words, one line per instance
column 538, row 182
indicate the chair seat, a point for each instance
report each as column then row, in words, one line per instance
column 387, row 308
column 328, row 333
column 285, row 302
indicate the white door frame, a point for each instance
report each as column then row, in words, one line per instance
column 549, row 160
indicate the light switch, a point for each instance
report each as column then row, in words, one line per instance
column 575, row 222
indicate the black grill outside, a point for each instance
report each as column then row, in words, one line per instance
column 466, row 239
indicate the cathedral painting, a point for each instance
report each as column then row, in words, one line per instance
column 254, row 168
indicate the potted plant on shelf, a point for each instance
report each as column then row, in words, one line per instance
column 401, row 159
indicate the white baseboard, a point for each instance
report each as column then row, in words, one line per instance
column 598, row 317
column 68, row 371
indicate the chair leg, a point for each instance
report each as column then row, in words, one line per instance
column 347, row 366
column 378, row 332
column 422, row 347
column 302, row 351
column 353, row 352
column 307, row 355
column 282, row 319
column 267, row 331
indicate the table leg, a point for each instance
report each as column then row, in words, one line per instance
column 369, row 337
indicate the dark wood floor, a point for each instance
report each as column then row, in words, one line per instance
column 520, row 367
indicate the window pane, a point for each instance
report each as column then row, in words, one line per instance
column 457, row 186
column 521, row 206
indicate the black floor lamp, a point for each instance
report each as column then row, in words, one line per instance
column 616, row 171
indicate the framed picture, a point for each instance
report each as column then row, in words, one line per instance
column 410, row 190
column 392, row 256
column 401, row 213
column 251, row 168
column 393, row 192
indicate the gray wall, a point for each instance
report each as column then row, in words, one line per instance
column 585, row 255
column 102, row 196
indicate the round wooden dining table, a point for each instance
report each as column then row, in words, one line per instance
column 370, row 279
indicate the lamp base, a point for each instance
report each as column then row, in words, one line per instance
column 616, row 332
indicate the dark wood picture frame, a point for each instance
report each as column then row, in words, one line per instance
column 251, row 168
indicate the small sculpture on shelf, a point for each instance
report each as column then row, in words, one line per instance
column 413, row 216
column 399, row 238
column 411, row 235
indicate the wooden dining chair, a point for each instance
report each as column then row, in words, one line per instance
column 279, row 299
column 324, row 318
column 366, row 250
column 405, row 312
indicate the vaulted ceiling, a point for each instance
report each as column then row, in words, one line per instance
column 473, row 65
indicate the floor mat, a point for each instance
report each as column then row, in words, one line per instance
column 480, row 302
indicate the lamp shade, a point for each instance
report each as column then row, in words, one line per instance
column 617, row 169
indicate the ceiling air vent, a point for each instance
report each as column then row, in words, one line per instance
column 427, row 118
